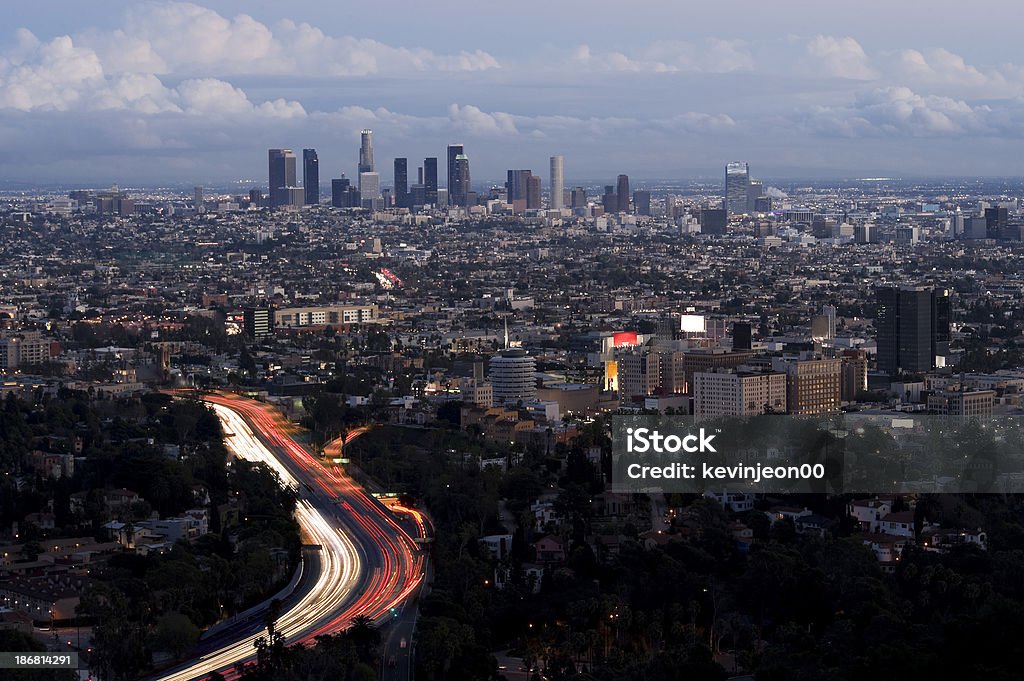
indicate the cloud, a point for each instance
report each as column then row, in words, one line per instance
column 839, row 58
column 899, row 111
column 186, row 39
column 474, row 121
column 713, row 55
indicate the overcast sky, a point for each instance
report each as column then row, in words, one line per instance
column 150, row 92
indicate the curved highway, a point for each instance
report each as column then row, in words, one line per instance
column 368, row 564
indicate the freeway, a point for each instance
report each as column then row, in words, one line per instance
column 368, row 564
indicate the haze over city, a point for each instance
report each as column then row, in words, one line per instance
column 161, row 92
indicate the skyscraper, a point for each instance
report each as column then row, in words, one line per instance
column 343, row 194
column 282, row 175
column 366, row 152
column 402, row 182
column 533, row 192
column 458, row 188
column 430, row 180
column 622, row 193
column 311, row 176
column 453, row 153
column 369, row 190
column 557, row 182
column 737, row 185
column 912, row 325
column 515, row 185
column 642, row 202
column 198, row 200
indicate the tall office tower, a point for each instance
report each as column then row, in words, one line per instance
column 713, row 221
column 430, row 180
column 402, row 182
column 912, row 326
column 282, row 175
column 642, row 202
column 515, row 185
column 454, row 150
column 258, row 322
column 622, row 193
column 737, row 183
column 741, row 339
column 855, row 374
column 511, row 373
column 458, row 182
column 311, row 176
column 609, row 200
column 369, row 190
column 256, row 198
column 533, row 189
column 579, row 198
column 366, row 152
column 557, row 182
column 755, row 190
column 198, row 200
column 996, row 220
column 343, row 194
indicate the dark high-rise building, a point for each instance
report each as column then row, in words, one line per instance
column 609, row 201
column 311, row 176
column 713, row 221
column 996, row 221
column 912, row 326
column 755, row 189
column 402, row 182
column 737, row 186
column 454, row 150
column 256, row 198
column 366, row 164
column 533, row 186
column 343, row 194
column 622, row 193
column 282, row 175
column 741, row 339
column 458, row 183
column 579, row 198
column 642, row 202
column 430, row 180
column 258, row 322
column 515, row 185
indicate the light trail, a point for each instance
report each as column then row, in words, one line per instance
column 369, row 564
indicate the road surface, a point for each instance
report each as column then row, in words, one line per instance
column 367, row 564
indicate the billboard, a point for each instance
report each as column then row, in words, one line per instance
column 691, row 323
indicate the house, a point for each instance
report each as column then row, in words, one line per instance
column 935, row 538
column 868, row 512
column 116, row 499
column 887, row 549
column 498, row 545
column 742, row 535
column 550, row 550
column 777, row 513
column 736, row 502
column 899, row 524
column 814, row 524
column 51, row 465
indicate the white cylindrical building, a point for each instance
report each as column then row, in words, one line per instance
column 557, row 182
column 512, row 376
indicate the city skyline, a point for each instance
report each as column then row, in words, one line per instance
column 806, row 94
